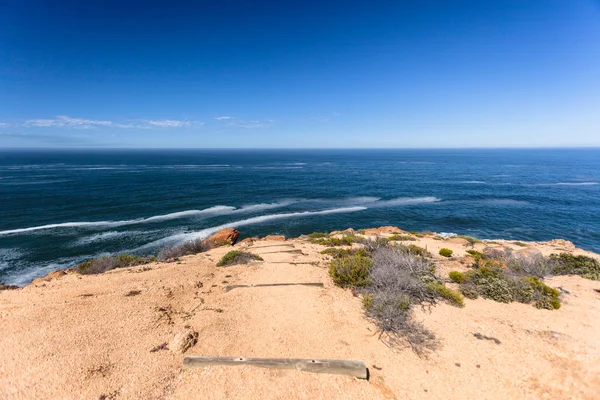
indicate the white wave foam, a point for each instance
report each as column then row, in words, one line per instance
column 107, row 236
column 576, row 183
column 183, row 237
column 405, row 201
column 111, row 224
column 473, row 182
column 447, row 235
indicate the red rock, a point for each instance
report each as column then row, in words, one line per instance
column 224, row 236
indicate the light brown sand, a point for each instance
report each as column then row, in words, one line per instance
column 81, row 337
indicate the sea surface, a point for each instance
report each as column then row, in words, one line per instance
column 58, row 208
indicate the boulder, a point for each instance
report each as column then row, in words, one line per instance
column 224, row 236
column 8, row 287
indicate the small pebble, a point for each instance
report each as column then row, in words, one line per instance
column 457, row 364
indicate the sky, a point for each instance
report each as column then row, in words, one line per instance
column 299, row 74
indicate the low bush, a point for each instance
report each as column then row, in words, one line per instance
column 237, row 257
column 346, row 240
column 318, row 235
column 452, row 296
column 521, row 244
column 445, row 252
column 184, row 249
column 497, row 284
column 401, row 238
column 351, row 271
column 457, row 276
column 107, row 263
column 569, row 264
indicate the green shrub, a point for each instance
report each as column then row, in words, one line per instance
column 498, row 285
column 237, row 257
column 521, row 244
column 569, row 264
column 351, row 271
column 400, row 238
column 318, row 235
column 414, row 250
column 367, row 301
column 453, row 297
column 457, row 276
column 445, row 252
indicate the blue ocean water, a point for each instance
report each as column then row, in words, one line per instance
column 58, row 208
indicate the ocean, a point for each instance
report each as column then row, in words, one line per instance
column 58, row 208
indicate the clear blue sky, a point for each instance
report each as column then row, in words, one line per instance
column 299, row 73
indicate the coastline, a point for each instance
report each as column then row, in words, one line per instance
column 70, row 335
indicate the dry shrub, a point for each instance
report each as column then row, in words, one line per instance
column 237, row 257
column 184, row 249
column 107, row 263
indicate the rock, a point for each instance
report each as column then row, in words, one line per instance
column 372, row 231
column 182, row 341
column 8, row 287
column 51, row 276
column 279, row 238
column 224, row 236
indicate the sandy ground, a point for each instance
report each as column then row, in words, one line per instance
column 89, row 337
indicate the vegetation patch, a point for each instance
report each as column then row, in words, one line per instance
column 346, row 240
column 238, row 257
column 351, row 270
column 171, row 253
column 318, row 235
column 339, row 253
column 392, row 280
column 499, row 285
column 520, row 244
column 457, row 276
column 401, row 238
column 107, row 263
column 569, row 264
column 445, row 252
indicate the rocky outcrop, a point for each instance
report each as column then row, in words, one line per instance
column 383, row 230
column 226, row 236
column 8, row 287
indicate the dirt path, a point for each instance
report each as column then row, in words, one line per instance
column 92, row 336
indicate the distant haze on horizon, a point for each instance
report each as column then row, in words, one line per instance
column 312, row 74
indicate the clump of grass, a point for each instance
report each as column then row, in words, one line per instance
column 107, row 263
column 401, row 238
column 237, row 257
column 520, row 244
column 457, row 276
column 417, row 250
column 445, row 252
column 569, row 264
column 351, row 271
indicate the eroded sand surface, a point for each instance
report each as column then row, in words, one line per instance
column 91, row 336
